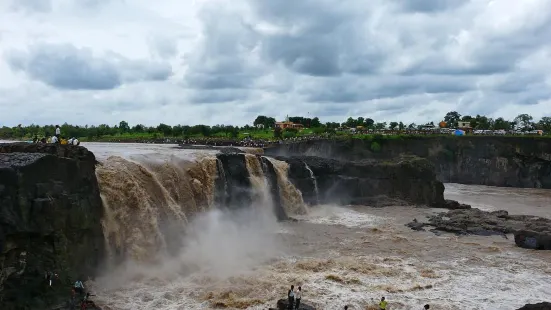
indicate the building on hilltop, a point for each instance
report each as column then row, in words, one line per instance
column 288, row 124
column 465, row 126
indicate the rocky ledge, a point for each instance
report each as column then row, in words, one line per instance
column 50, row 212
column 530, row 231
column 283, row 304
column 538, row 306
column 405, row 180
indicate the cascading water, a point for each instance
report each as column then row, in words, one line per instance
column 146, row 200
column 291, row 197
column 314, row 181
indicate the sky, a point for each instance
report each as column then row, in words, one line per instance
column 227, row 61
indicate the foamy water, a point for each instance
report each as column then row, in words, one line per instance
column 340, row 255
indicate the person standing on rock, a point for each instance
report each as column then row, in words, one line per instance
column 382, row 304
column 298, row 297
column 291, row 296
column 57, row 131
column 79, row 287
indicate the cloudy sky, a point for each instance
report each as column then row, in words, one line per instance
column 226, row 61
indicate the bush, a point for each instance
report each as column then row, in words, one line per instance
column 375, row 146
column 289, row 134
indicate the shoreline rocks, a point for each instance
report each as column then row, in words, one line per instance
column 530, row 232
column 538, row 306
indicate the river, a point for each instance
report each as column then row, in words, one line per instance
column 339, row 254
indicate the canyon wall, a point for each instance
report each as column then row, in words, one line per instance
column 50, row 212
column 495, row 161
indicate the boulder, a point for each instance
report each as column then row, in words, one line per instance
column 530, row 231
column 455, row 205
column 50, row 221
column 538, row 306
column 533, row 240
column 283, row 304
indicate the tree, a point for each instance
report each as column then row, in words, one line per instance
column 393, row 125
column 315, row 122
column 165, row 129
column 123, row 126
column 369, row 122
column 380, row 126
column 482, row 122
column 350, row 122
column 501, row 124
column 267, row 122
column 278, row 132
column 412, row 126
column 524, row 122
column 452, row 118
column 545, row 124
column 401, row 126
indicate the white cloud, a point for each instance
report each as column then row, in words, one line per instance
column 226, row 61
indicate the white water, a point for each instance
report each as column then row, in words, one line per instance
column 340, row 255
column 314, row 180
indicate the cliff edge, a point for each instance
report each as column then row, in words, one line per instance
column 494, row 161
column 50, row 221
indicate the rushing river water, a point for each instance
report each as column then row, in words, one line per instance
column 339, row 255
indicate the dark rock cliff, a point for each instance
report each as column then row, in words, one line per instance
column 406, row 179
column 50, row 212
column 495, row 161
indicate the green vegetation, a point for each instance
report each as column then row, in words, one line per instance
column 263, row 128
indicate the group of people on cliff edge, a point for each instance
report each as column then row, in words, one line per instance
column 57, row 138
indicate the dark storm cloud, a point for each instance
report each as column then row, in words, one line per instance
column 219, row 96
column 319, row 39
column 67, row 67
column 351, row 90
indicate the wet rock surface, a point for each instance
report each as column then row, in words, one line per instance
column 530, row 231
column 283, row 304
column 538, row 306
column 483, row 160
column 50, row 221
column 402, row 181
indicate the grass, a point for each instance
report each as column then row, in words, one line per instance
column 268, row 134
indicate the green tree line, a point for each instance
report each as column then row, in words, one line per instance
column 523, row 122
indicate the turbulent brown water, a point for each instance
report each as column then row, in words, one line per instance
column 181, row 251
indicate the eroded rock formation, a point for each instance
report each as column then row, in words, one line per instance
column 495, row 161
column 50, row 212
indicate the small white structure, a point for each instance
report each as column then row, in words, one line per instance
column 260, row 126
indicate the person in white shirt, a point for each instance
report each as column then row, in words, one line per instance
column 75, row 141
column 57, row 130
column 54, row 139
column 298, row 296
column 70, row 141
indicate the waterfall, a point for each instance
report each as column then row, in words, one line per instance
column 314, row 181
column 149, row 203
column 262, row 196
column 291, row 197
column 146, row 202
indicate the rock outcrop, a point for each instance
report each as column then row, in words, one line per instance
column 537, row 240
column 530, row 231
column 405, row 180
column 283, row 304
column 50, row 212
column 538, row 306
column 495, row 161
